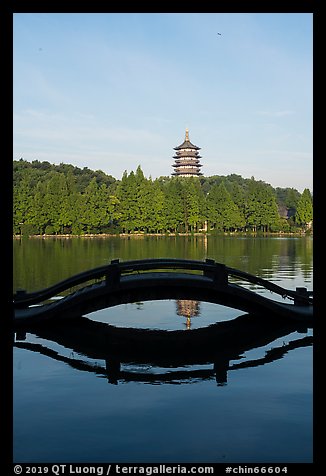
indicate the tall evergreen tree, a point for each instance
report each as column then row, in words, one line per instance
column 127, row 195
column 22, row 204
column 40, row 217
column 222, row 212
column 173, row 205
column 157, row 208
column 54, row 202
column 193, row 199
column 304, row 212
column 142, row 199
column 97, row 208
column 261, row 207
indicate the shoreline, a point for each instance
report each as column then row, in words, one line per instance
column 163, row 235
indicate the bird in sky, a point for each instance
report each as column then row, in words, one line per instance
column 219, row 34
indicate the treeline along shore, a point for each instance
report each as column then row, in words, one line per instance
column 66, row 200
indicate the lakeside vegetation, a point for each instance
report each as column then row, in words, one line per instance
column 64, row 199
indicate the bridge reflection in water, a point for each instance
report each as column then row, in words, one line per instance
column 161, row 356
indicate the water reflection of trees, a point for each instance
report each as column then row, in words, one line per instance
column 66, row 257
column 165, row 356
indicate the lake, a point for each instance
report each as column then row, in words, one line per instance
column 244, row 395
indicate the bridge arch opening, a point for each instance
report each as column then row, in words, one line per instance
column 164, row 314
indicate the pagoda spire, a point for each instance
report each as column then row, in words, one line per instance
column 187, row 134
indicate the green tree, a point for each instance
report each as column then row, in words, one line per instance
column 173, row 205
column 22, row 204
column 287, row 196
column 304, row 212
column 142, row 201
column 150, row 200
column 157, row 203
column 40, row 211
column 222, row 212
column 238, row 195
column 57, row 204
column 261, row 207
column 193, row 200
column 128, row 203
column 97, row 208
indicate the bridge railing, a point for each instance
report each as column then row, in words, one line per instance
column 112, row 272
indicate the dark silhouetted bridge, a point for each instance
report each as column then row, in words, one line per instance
column 157, row 279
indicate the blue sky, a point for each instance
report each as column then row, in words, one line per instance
column 112, row 91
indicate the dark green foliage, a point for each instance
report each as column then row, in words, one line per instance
column 173, row 205
column 304, row 210
column 222, row 212
column 58, row 199
column 261, row 212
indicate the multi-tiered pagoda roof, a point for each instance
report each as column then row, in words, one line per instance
column 187, row 159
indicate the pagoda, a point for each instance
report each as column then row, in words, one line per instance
column 187, row 159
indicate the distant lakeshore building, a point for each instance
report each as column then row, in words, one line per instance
column 187, row 159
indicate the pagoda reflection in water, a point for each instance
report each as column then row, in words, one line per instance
column 188, row 309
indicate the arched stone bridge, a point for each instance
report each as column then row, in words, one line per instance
column 157, row 279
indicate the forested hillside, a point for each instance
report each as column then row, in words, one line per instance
column 64, row 199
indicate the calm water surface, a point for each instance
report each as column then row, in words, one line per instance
column 243, row 397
